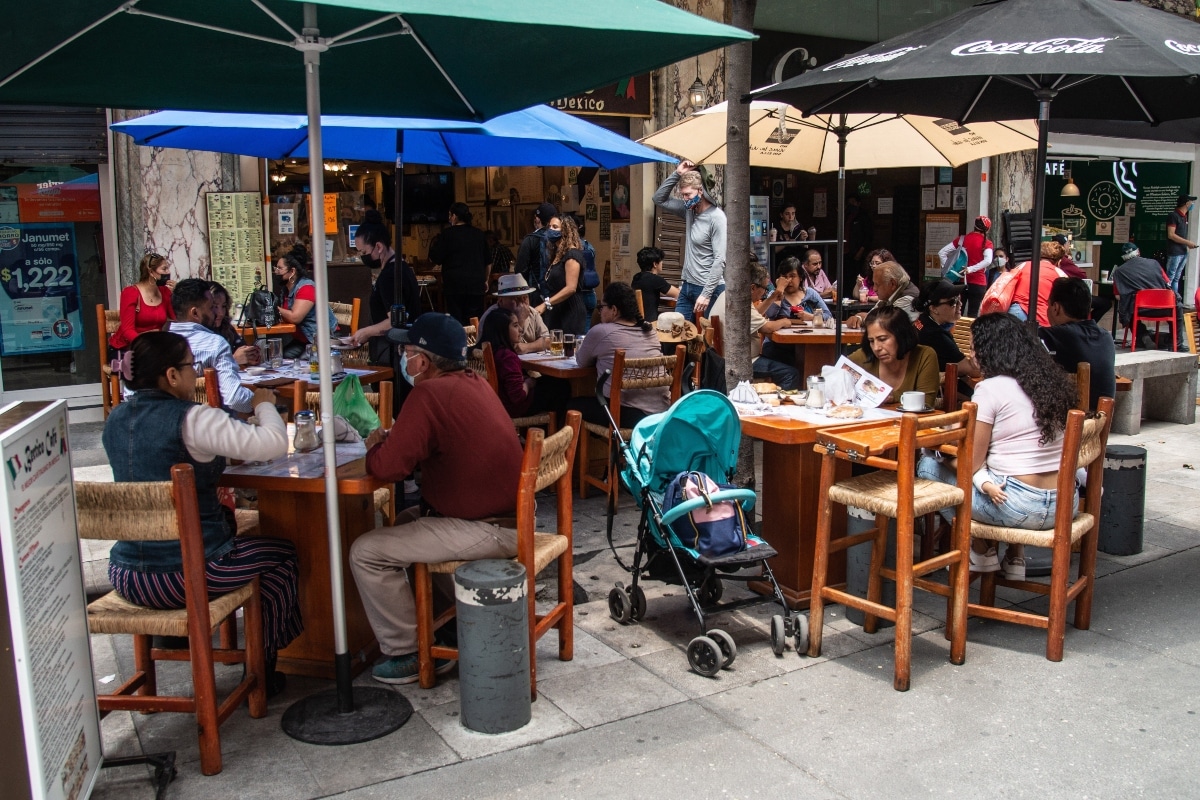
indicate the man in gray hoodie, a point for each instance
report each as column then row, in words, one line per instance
column 704, row 247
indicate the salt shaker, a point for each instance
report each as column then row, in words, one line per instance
column 818, row 319
column 816, row 392
column 306, row 432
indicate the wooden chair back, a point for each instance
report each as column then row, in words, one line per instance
column 950, row 400
column 208, row 388
column 641, row 304
column 1082, row 381
column 1192, row 329
column 107, row 323
column 346, row 314
column 961, row 332
column 168, row 511
column 718, row 336
column 645, row 373
column 472, row 332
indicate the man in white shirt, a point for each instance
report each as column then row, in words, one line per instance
column 193, row 304
column 512, row 294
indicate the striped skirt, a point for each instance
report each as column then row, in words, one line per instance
column 272, row 560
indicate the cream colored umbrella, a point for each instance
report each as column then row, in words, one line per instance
column 780, row 137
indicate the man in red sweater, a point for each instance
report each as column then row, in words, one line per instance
column 452, row 427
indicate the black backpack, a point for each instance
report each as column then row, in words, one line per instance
column 261, row 308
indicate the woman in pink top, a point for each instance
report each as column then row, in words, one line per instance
column 1023, row 404
column 146, row 305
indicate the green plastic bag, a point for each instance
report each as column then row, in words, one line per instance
column 351, row 404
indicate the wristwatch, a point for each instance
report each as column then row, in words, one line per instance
column 549, row 305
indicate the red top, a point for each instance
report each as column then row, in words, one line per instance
column 511, row 379
column 1047, row 275
column 454, row 427
column 975, row 243
column 137, row 316
column 306, row 292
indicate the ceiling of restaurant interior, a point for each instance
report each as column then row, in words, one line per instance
column 857, row 20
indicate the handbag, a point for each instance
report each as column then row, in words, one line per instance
column 261, row 308
column 999, row 296
column 958, row 265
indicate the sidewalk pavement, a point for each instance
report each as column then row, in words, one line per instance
column 1118, row 717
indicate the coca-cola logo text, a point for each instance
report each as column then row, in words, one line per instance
column 1185, row 49
column 1073, row 45
column 878, row 58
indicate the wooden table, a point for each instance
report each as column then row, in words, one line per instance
column 248, row 332
column 582, row 379
column 791, row 473
column 293, row 508
column 283, row 381
column 815, row 347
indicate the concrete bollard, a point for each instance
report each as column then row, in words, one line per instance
column 858, row 563
column 1123, row 504
column 493, row 645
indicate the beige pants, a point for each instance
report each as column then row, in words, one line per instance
column 379, row 559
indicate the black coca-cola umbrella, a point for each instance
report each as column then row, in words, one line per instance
column 1015, row 59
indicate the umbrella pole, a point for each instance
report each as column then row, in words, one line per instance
column 1044, row 96
column 841, row 130
column 331, row 717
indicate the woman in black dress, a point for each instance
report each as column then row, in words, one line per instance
column 564, row 309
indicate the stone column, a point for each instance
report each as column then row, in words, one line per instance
column 1011, row 188
column 160, row 202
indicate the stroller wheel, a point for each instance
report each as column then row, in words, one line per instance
column 778, row 634
column 711, row 590
column 705, row 656
column 800, row 629
column 619, row 607
column 727, row 645
column 638, row 598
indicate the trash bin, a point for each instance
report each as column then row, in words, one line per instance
column 1123, row 504
column 493, row 645
column 858, row 563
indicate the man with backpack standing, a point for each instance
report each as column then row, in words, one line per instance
column 704, row 246
column 979, row 250
column 529, row 254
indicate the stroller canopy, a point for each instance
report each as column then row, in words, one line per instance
column 699, row 432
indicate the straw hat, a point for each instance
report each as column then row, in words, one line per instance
column 673, row 328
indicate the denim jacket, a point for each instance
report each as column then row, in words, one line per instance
column 308, row 325
column 143, row 438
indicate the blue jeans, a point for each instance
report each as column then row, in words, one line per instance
column 1175, row 266
column 1018, row 312
column 688, row 292
column 780, row 373
column 1027, row 507
column 589, row 303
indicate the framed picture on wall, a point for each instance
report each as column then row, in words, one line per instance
column 523, row 220
column 502, row 223
column 479, row 215
column 476, row 184
column 497, row 183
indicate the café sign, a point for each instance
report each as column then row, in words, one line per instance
column 629, row 97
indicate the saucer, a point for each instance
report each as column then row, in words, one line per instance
column 924, row 410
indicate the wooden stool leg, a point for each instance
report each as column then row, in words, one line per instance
column 256, row 659
column 1060, row 574
column 904, row 591
column 874, row 574
column 1087, row 572
column 566, row 596
column 423, row 597
column 204, row 684
column 960, row 586
column 144, row 664
column 816, row 604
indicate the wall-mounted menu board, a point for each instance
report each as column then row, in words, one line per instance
column 235, row 241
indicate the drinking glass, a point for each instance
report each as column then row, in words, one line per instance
column 568, row 344
column 556, row 342
column 275, row 352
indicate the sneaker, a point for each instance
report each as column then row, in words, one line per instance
column 410, row 486
column 403, row 669
column 986, row 562
column 1013, row 567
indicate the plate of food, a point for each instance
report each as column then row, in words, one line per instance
column 255, row 370
column 845, row 411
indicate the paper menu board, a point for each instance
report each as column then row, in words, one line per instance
column 55, row 724
column 869, row 391
column 235, row 241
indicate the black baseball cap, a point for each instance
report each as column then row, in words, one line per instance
column 1185, row 198
column 440, row 334
column 546, row 212
column 937, row 291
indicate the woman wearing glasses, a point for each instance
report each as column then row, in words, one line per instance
column 146, row 305
column 940, row 304
column 160, row 425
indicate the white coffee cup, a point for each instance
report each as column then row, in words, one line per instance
column 912, row 401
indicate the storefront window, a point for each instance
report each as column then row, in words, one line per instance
column 51, row 275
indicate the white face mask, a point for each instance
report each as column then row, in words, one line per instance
column 1002, row 261
column 412, row 379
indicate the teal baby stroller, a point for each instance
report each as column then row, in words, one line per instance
column 699, row 433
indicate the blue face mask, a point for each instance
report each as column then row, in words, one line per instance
column 553, row 235
column 695, row 201
column 412, row 379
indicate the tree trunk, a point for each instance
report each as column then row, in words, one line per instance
column 737, row 211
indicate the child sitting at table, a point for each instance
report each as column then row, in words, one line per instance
column 521, row 395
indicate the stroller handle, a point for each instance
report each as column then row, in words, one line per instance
column 689, row 506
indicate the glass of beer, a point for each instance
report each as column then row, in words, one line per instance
column 556, row 342
column 275, row 352
column 568, row 345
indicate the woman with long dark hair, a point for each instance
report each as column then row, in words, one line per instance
column 298, row 301
column 1023, row 403
column 521, row 394
column 564, row 309
column 621, row 328
column 160, row 425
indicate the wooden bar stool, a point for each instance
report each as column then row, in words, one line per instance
column 894, row 491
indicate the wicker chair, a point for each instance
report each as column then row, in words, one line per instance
column 472, row 332
column 381, row 401
column 107, row 323
column 547, row 463
column 894, row 491
column 1192, row 340
column 634, row 373
column 482, row 361
column 167, row 511
column 1083, row 446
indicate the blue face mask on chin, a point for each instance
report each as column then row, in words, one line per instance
column 695, row 201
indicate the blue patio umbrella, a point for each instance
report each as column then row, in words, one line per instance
column 539, row 136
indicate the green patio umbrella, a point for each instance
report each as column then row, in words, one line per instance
column 445, row 59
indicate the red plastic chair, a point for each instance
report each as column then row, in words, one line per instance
column 1155, row 300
